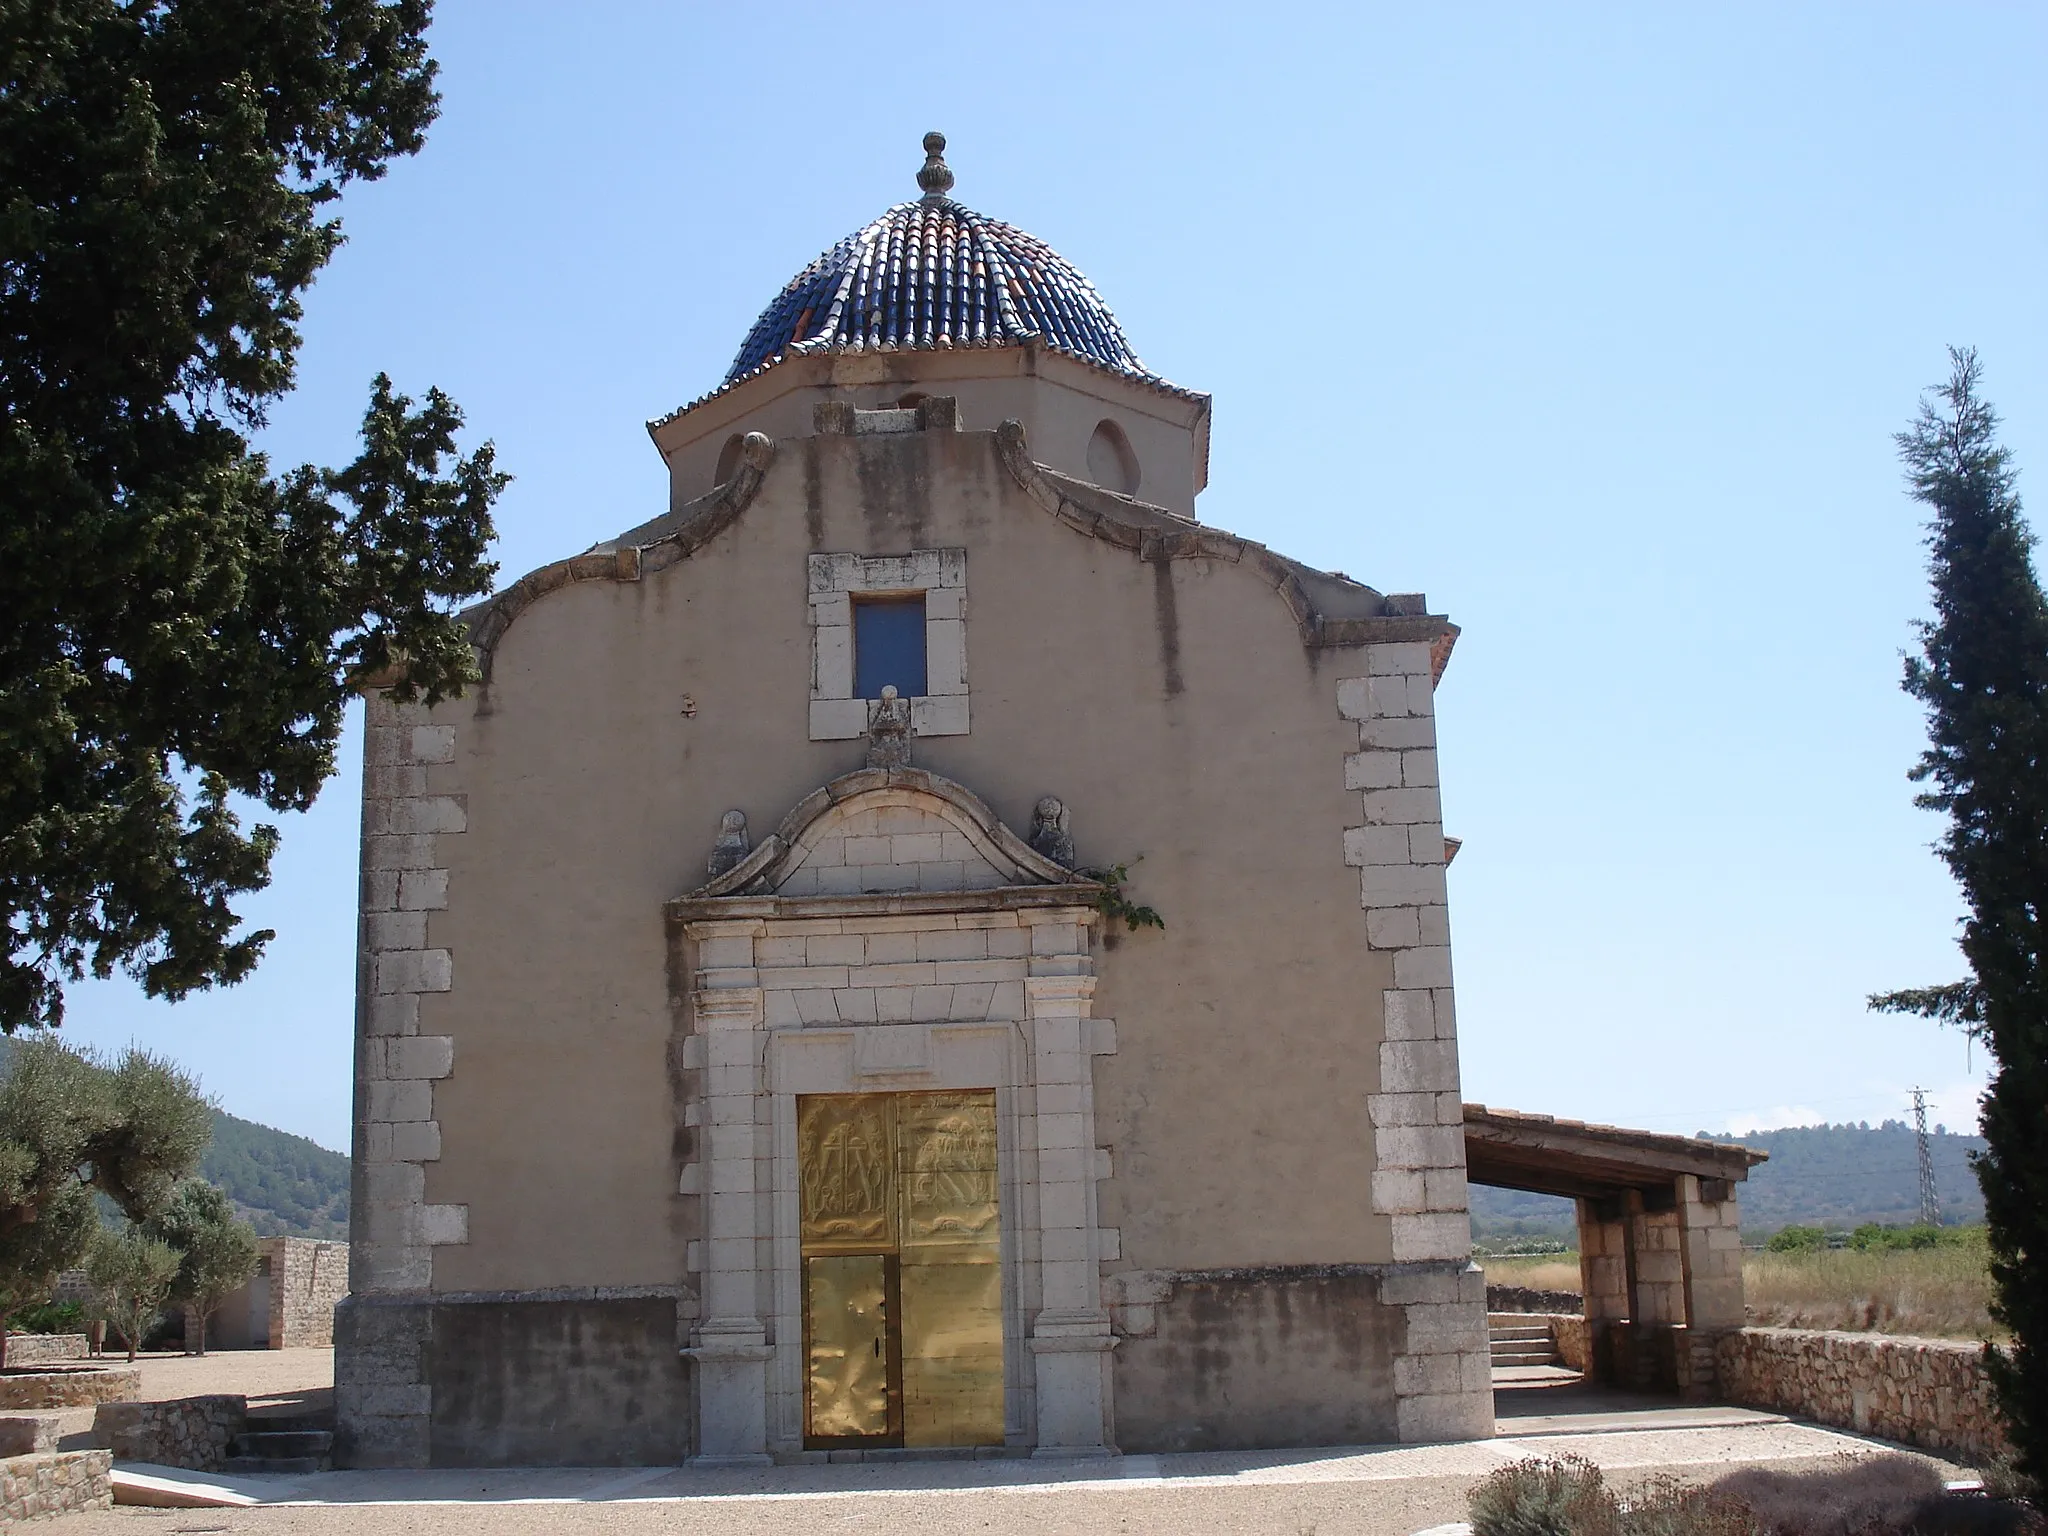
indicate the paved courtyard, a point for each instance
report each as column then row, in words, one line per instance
column 1375, row 1491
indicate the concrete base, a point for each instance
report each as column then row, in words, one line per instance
column 592, row 1381
column 1271, row 1358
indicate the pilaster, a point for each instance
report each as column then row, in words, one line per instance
column 1070, row 1338
column 731, row 1345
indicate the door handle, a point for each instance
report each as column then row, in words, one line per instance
column 878, row 1349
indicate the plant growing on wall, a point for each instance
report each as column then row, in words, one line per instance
column 72, row 1128
column 132, row 1274
column 1114, row 905
column 216, row 1253
column 1982, row 674
column 179, row 623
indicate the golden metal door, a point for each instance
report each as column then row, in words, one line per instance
column 903, row 1292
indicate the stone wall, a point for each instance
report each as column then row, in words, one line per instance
column 47, row 1387
column 501, row 1379
column 56, row 1483
column 1256, row 1358
column 1522, row 1298
column 44, row 1348
column 307, row 1281
column 1931, row 1393
column 1574, row 1340
column 190, row 1432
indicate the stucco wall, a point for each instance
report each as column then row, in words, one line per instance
column 1172, row 705
column 1058, row 400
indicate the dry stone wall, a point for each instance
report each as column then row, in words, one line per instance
column 190, row 1432
column 57, row 1483
column 1932, row 1393
column 44, row 1348
column 1522, row 1298
column 54, row 1387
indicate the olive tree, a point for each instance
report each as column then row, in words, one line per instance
column 73, row 1127
column 216, row 1253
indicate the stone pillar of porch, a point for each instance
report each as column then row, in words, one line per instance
column 1604, row 1282
column 1710, row 1238
column 1070, row 1338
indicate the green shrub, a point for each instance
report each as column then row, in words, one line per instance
column 1850, row 1496
column 1665, row 1506
column 1543, row 1496
column 49, row 1317
column 1797, row 1240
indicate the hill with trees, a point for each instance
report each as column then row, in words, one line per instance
column 1836, row 1176
column 282, row 1185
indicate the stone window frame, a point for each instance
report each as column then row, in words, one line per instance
column 834, row 581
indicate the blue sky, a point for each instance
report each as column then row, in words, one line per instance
column 1592, row 322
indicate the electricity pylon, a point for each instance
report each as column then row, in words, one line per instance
column 1930, row 1203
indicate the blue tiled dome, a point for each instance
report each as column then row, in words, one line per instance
column 933, row 274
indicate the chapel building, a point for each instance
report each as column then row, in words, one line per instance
column 765, row 1048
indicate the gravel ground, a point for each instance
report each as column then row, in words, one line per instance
column 1389, row 1491
column 262, row 1375
column 274, row 1381
column 1392, row 1491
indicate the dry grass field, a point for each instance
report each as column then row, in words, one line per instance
column 1540, row 1272
column 1941, row 1293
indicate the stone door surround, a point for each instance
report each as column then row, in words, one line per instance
column 984, row 982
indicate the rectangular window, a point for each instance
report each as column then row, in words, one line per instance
column 888, row 646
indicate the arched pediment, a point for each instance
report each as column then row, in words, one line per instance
column 888, row 831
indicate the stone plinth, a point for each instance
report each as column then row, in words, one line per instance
column 61, row 1387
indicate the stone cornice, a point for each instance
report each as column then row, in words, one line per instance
column 1155, row 534
column 1151, row 533
column 1075, row 899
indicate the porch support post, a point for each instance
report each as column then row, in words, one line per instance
column 1070, row 1339
column 1710, row 1237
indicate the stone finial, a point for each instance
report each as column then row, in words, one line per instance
column 732, row 844
column 1052, row 831
column 889, row 731
column 936, row 178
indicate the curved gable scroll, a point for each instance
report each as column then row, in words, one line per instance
column 636, row 553
column 886, row 832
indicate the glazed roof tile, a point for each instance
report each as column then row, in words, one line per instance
column 934, row 275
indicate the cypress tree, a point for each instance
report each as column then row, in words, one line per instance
column 1982, row 674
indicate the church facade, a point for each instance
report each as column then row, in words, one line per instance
column 922, row 947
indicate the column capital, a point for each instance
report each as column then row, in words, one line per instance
column 728, row 1007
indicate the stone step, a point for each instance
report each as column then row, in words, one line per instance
column 263, row 1423
column 239, row 1465
column 1524, row 1356
column 284, row 1442
column 1520, row 1330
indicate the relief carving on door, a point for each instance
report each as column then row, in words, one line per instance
column 901, row 1235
